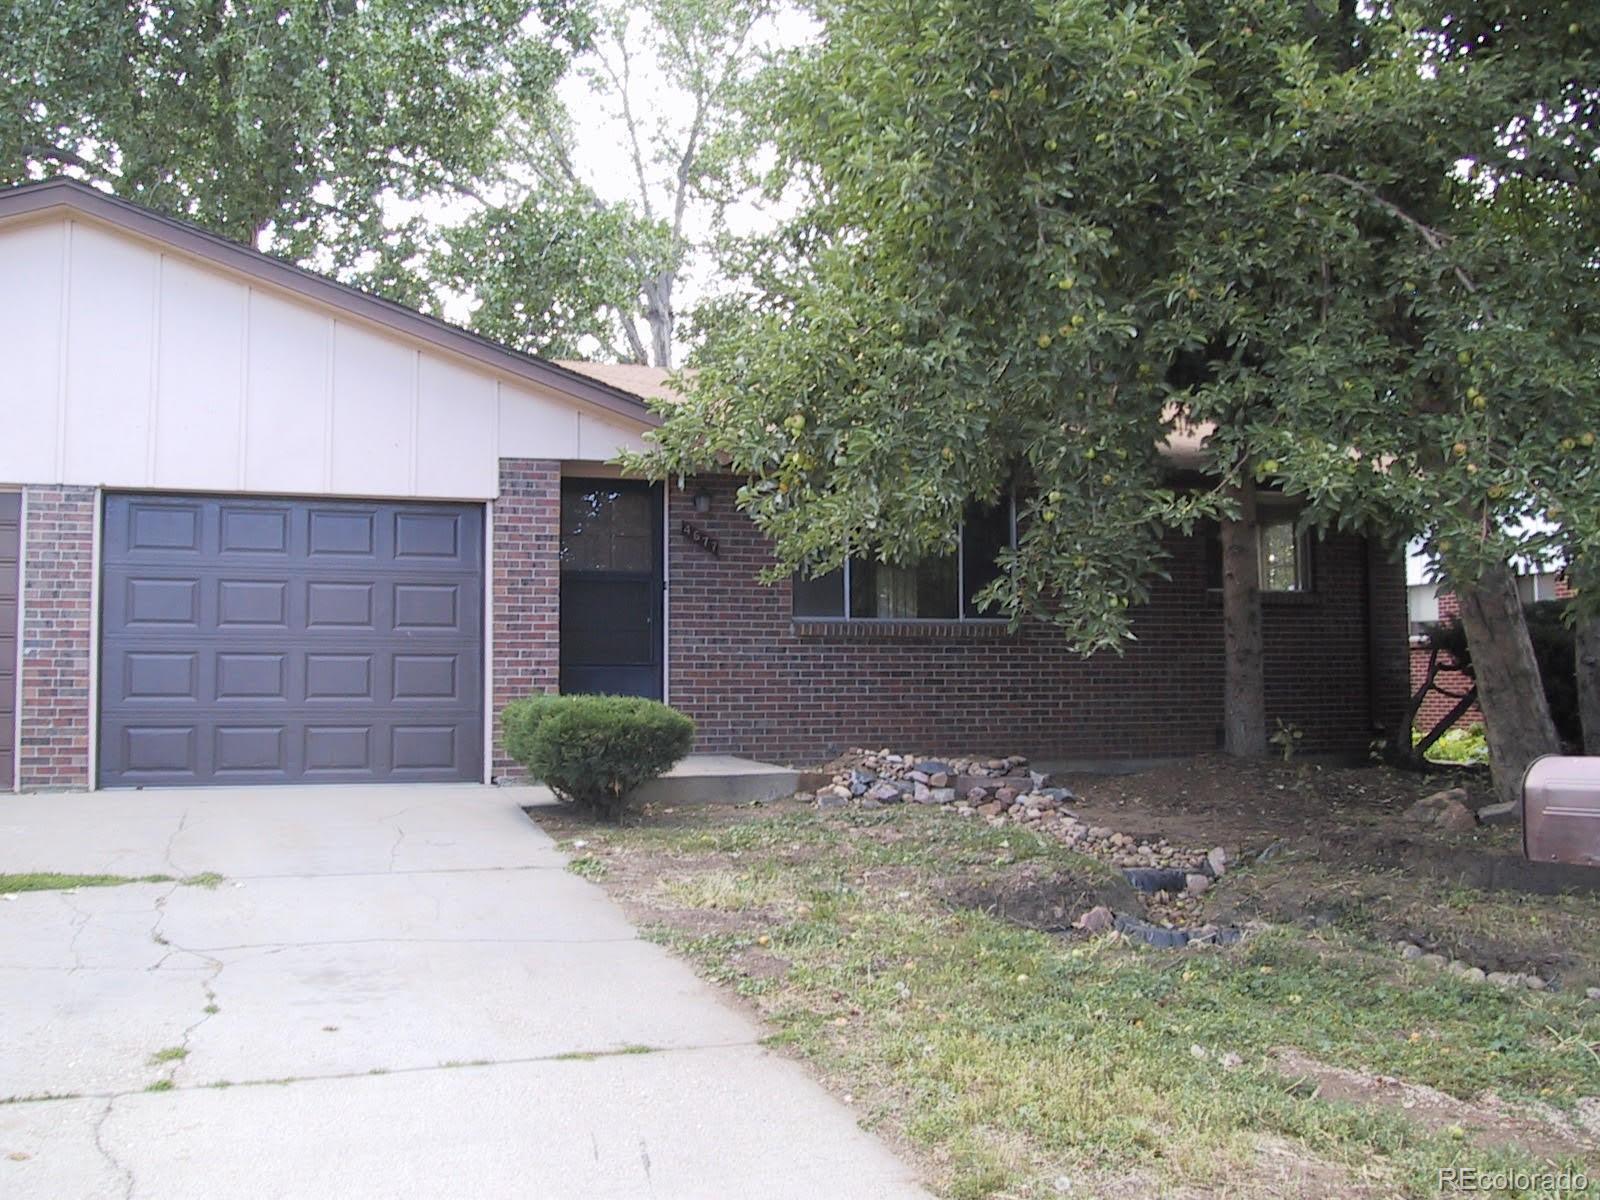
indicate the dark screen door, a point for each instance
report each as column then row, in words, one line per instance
column 611, row 587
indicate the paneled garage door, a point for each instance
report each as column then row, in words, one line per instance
column 248, row 640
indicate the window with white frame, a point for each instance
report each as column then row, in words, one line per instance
column 934, row 589
column 1285, row 554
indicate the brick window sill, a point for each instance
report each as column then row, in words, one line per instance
column 806, row 627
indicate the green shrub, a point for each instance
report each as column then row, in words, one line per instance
column 594, row 751
column 520, row 720
column 1466, row 746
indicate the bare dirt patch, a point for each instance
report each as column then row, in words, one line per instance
column 1485, row 1122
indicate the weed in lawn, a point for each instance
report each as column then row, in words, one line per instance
column 55, row 881
column 160, row 1085
column 587, row 866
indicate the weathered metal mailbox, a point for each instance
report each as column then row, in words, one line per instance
column 1561, row 810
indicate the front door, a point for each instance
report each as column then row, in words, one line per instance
column 611, row 587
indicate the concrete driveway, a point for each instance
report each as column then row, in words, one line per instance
column 394, row 991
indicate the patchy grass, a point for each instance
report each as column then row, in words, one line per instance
column 55, row 881
column 160, row 1085
column 206, row 879
column 1016, row 1063
column 587, row 866
column 169, row 1054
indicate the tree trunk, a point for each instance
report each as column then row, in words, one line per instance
column 659, row 316
column 1587, row 644
column 1244, row 702
column 1510, row 692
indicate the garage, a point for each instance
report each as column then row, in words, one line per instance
column 258, row 640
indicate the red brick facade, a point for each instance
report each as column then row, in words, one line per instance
column 526, row 588
column 760, row 684
column 57, row 637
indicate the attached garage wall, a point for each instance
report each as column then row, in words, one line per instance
column 132, row 366
column 57, row 636
column 251, row 640
column 10, row 556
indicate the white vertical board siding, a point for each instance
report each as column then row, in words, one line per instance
column 32, row 270
column 288, row 387
column 110, row 359
column 130, row 365
column 199, row 401
column 456, row 419
column 374, row 380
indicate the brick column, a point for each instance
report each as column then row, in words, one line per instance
column 527, row 588
column 57, row 637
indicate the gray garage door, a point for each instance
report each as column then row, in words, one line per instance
column 247, row 640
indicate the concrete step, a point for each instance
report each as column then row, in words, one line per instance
column 720, row 779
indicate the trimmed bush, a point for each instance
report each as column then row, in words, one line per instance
column 594, row 751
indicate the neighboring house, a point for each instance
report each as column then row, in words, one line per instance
column 258, row 527
column 1431, row 603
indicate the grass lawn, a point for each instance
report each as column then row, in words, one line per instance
column 1012, row 1062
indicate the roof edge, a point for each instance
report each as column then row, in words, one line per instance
column 76, row 197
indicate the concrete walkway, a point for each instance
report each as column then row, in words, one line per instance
column 394, row 991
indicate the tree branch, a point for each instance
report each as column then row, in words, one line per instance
column 1437, row 240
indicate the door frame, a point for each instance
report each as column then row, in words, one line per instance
column 658, row 579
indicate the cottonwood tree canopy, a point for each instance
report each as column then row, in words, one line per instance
column 560, row 261
column 1356, row 242
column 286, row 122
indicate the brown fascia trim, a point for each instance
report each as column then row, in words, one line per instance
column 73, row 197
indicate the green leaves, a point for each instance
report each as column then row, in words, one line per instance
column 290, row 124
column 1044, row 235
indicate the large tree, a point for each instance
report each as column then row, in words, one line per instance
column 561, row 262
column 1046, row 237
column 287, row 124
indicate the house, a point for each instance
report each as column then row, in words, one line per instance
column 1429, row 603
column 258, row 527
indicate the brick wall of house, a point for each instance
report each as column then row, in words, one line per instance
column 526, row 588
column 758, row 683
column 57, row 637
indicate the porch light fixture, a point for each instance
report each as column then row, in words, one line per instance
column 702, row 501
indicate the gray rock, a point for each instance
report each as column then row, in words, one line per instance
column 918, row 777
column 1473, row 975
column 862, row 775
column 1593, row 993
column 1502, row 979
column 977, row 795
column 941, row 795
column 1005, row 794
column 1509, row 813
column 1456, row 817
column 933, row 766
column 1535, row 983
column 1217, row 860
column 1410, row 952
column 1432, row 960
column 1097, row 920
column 938, row 779
column 920, row 792
column 830, row 800
column 1040, row 779
column 1197, row 883
column 804, row 797
column 884, row 793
